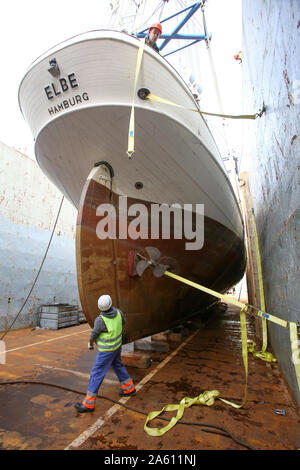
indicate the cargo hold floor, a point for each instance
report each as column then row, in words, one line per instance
column 42, row 417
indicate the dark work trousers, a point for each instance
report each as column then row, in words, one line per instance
column 101, row 365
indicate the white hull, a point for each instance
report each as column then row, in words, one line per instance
column 176, row 158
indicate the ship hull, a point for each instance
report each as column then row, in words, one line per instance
column 81, row 117
column 151, row 304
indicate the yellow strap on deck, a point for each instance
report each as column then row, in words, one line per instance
column 206, row 398
column 152, row 97
column 264, row 355
column 130, row 150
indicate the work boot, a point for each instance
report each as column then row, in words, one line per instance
column 128, row 394
column 82, row 409
column 127, row 388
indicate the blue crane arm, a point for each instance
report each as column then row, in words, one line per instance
column 175, row 34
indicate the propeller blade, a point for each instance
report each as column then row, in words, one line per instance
column 141, row 267
column 159, row 270
column 154, row 253
column 171, row 263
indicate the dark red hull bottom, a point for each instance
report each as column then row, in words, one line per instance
column 150, row 304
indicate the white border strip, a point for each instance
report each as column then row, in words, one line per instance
column 100, row 421
column 45, row 341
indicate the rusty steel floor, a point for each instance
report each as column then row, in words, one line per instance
column 36, row 416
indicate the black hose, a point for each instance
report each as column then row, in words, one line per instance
column 217, row 429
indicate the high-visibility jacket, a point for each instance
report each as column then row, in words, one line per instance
column 112, row 339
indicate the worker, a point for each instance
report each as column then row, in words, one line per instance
column 153, row 34
column 107, row 334
column 239, row 56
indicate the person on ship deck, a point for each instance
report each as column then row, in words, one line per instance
column 152, row 36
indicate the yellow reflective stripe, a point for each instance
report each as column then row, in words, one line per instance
column 111, row 347
column 152, row 97
column 130, row 150
column 110, row 340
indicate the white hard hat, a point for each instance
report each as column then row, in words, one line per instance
column 104, row 302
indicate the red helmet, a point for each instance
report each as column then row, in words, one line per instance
column 156, row 25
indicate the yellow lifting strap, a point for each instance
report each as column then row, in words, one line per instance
column 208, row 397
column 152, row 97
column 264, row 355
column 130, row 150
column 261, row 354
column 227, row 298
column 264, row 315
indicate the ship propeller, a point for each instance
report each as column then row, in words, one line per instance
column 165, row 263
column 154, row 253
column 141, row 266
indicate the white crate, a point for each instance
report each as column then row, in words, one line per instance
column 53, row 318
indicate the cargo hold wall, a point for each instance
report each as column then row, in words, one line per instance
column 28, row 208
column 271, row 74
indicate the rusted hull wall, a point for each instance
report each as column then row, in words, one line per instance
column 28, row 209
column 271, row 73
